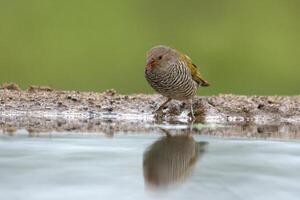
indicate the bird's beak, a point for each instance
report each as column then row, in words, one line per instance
column 150, row 64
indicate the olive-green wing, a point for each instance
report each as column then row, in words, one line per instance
column 196, row 75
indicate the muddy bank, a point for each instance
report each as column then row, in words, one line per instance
column 44, row 109
column 45, row 126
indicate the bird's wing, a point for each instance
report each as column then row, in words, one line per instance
column 196, row 75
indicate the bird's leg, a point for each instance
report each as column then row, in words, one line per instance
column 191, row 126
column 168, row 134
column 192, row 110
column 162, row 105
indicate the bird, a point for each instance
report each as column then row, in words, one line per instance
column 173, row 75
column 171, row 159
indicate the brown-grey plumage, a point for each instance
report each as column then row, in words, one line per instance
column 171, row 159
column 172, row 74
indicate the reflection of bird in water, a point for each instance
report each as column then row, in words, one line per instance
column 171, row 159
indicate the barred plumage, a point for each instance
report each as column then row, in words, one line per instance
column 170, row 160
column 175, row 83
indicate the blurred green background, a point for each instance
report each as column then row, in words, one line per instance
column 242, row 47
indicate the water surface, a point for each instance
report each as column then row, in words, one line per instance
column 147, row 166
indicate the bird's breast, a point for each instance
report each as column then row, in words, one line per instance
column 176, row 83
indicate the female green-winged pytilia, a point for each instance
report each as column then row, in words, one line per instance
column 173, row 75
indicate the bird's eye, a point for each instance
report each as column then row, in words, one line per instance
column 159, row 57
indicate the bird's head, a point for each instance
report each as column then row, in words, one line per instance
column 161, row 57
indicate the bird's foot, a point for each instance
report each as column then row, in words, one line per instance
column 158, row 111
column 161, row 107
column 192, row 117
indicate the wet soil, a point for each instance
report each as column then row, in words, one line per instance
column 43, row 109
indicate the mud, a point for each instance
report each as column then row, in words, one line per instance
column 43, row 109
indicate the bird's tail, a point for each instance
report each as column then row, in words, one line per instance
column 201, row 81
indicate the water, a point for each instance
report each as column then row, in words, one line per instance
column 147, row 166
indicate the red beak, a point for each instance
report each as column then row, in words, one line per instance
column 150, row 64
